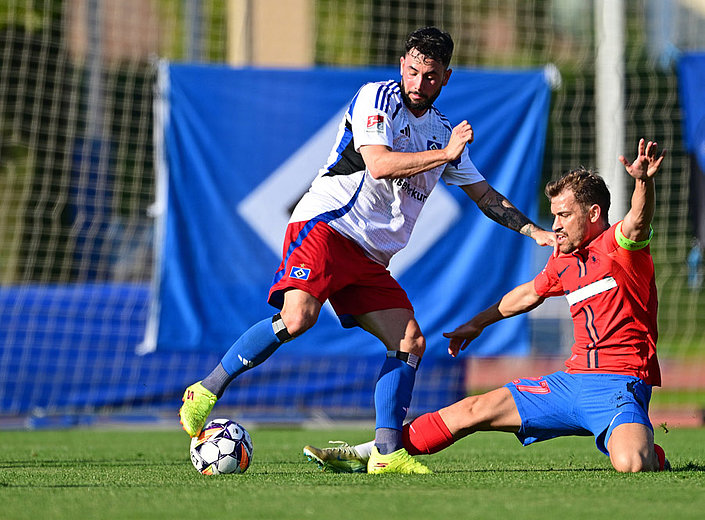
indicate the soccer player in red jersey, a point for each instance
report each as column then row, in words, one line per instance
column 607, row 275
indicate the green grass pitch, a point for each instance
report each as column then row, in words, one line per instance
column 107, row 474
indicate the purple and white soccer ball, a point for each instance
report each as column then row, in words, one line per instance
column 223, row 446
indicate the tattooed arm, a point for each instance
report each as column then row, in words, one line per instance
column 498, row 208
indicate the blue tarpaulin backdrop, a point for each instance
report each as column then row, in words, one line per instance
column 226, row 131
column 691, row 82
column 225, row 135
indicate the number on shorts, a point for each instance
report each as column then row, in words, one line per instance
column 541, row 389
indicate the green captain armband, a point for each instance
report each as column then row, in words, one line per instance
column 631, row 245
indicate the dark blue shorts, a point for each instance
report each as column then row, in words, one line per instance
column 563, row 404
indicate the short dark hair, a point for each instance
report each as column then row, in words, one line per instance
column 587, row 187
column 432, row 43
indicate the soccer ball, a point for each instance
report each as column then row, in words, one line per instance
column 223, row 446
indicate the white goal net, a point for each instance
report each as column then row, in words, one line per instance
column 77, row 175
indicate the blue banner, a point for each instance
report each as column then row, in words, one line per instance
column 691, row 82
column 240, row 146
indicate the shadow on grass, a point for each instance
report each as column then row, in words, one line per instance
column 525, row 470
column 19, row 464
column 690, row 467
column 69, row 486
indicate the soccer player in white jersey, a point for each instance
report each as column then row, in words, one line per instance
column 392, row 148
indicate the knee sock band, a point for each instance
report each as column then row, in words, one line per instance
column 280, row 329
column 410, row 359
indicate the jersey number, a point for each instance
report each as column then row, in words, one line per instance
column 532, row 389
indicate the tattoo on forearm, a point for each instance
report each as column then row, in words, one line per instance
column 499, row 209
column 527, row 230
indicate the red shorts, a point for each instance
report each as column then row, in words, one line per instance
column 328, row 266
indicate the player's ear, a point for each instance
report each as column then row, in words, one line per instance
column 401, row 65
column 594, row 213
column 446, row 76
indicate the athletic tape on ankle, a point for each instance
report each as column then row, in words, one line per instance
column 280, row 329
column 410, row 359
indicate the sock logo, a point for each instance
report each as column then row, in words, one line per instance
column 245, row 362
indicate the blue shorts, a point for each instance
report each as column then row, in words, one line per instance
column 563, row 404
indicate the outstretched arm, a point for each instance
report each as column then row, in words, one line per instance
column 637, row 222
column 497, row 207
column 519, row 300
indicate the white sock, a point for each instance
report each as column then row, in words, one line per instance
column 365, row 449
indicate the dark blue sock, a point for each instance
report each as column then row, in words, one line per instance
column 392, row 400
column 251, row 349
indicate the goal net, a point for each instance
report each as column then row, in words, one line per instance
column 78, row 190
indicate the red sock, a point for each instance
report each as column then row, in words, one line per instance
column 661, row 457
column 426, row 434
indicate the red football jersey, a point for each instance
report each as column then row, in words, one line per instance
column 612, row 296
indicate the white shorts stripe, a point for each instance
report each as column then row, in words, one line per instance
column 588, row 291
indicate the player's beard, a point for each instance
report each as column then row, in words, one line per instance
column 424, row 104
column 572, row 241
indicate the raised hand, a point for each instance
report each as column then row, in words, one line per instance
column 647, row 162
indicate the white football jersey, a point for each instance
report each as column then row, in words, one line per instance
column 379, row 214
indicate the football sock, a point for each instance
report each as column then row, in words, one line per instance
column 217, row 381
column 364, row 449
column 251, row 349
column 661, row 456
column 426, row 434
column 392, row 399
column 388, row 440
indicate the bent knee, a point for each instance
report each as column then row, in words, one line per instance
column 414, row 344
column 298, row 321
column 631, row 448
column 633, row 461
